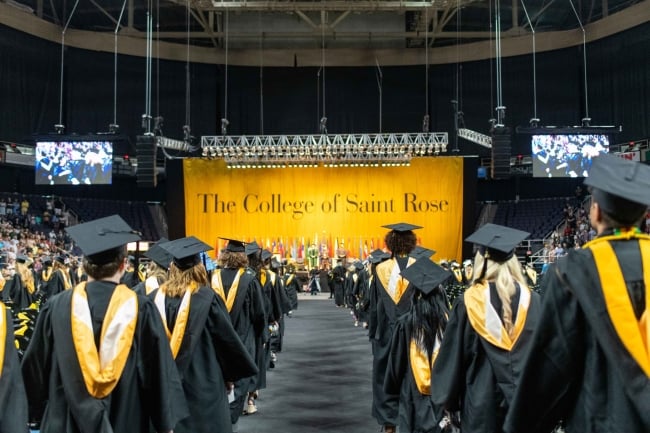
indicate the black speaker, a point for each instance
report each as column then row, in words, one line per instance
column 501, row 148
column 145, row 149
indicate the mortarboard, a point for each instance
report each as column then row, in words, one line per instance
column 500, row 241
column 21, row 258
column 425, row 275
column 620, row 187
column 266, row 254
column 252, row 248
column 98, row 238
column 377, row 252
column 379, row 258
column 47, row 261
column 234, row 246
column 358, row 265
column 60, row 259
column 185, row 251
column 420, row 251
column 402, row 227
column 159, row 255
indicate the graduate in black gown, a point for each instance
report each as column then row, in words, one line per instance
column 20, row 289
column 130, row 277
column 55, row 279
column 292, row 287
column 414, row 347
column 589, row 363
column 392, row 299
column 209, row 354
column 157, row 268
column 236, row 284
column 337, row 282
column 13, row 400
column 99, row 360
column 487, row 336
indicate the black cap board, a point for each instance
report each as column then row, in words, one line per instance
column 377, row 252
column 159, row 255
column 252, row 248
column 500, row 241
column 266, row 254
column 185, row 251
column 358, row 265
column 379, row 258
column 620, row 187
column 234, row 245
column 402, row 227
column 425, row 275
column 102, row 236
column 420, row 251
column 21, row 258
column 60, row 259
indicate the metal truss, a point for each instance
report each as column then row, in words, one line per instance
column 475, row 137
column 330, row 5
column 329, row 150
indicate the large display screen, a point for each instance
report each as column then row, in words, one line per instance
column 566, row 155
column 74, row 162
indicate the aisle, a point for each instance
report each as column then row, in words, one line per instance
column 322, row 381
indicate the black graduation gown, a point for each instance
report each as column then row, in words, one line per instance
column 130, row 279
column 248, row 317
column 13, row 400
column 338, row 278
column 292, row 287
column 579, row 370
column 54, row 285
column 149, row 389
column 17, row 293
column 273, row 308
column 386, row 313
column 210, row 354
column 474, row 376
column 416, row 412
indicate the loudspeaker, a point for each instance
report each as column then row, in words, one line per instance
column 501, row 153
column 145, row 149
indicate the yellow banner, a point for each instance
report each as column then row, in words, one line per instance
column 297, row 210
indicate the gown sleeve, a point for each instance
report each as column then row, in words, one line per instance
column 553, row 358
column 448, row 374
column 398, row 360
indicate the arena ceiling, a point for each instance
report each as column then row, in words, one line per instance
column 308, row 24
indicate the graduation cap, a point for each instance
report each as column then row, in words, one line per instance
column 21, row 258
column 185, row 251
column 498, row 241
column 252, row 248
column 100, row 238
column 420, row 251
column 159, row 255
column 47, row 261
column 620, row 187
column 402, row 227
column 377, row 252
column 425, row 275
column 60, row 259
column 266, row 254
column 234, row 246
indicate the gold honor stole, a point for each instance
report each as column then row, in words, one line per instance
column 102, row 369
column 486, row 321
column 150, row 284
column 176, row 336
column 217, row 286
column 635, row 335
column 47, row 273
column 290, row 279
column 459, row 275
column 388, row 273
column 421, row 367
column 66, row 280
column 3, row 335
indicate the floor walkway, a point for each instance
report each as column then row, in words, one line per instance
column 322, row 381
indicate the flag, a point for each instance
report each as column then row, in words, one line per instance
column 294, row 250
column 365, row 250
column 281, row 249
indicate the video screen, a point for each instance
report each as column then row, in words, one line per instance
column 74, row 162
column 566, row 155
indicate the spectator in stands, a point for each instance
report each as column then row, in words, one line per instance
column 3, row 207
column 24, row 206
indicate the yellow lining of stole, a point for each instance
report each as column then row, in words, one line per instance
column 3, row 334
column 485, row 319
column 421, row 367
column 635, row 335
column 101, row 369
column 176, row 336
column 388, row 273
column 217, row 286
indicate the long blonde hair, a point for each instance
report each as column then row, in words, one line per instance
column 180, row 281
column 154, row 270
column 503, row 275
column 26, row 276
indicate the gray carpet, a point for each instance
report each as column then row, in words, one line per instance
column 322, row 380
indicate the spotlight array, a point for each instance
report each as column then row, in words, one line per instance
column 351, row 150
